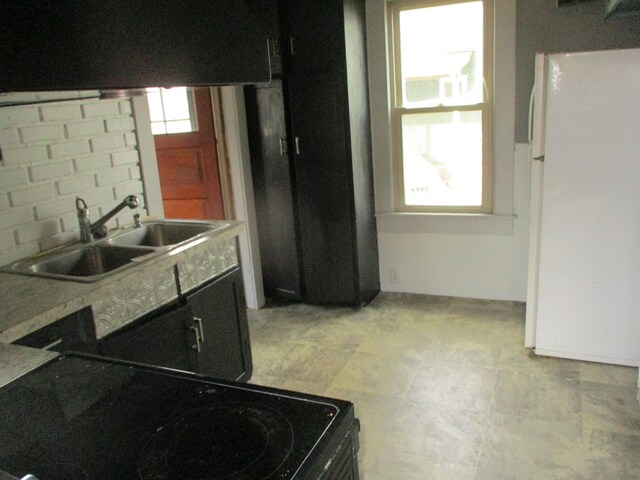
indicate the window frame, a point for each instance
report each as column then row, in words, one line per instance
column 394, row 7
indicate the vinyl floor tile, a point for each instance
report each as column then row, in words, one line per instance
column 445, row 390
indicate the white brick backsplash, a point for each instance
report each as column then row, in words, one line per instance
column 53, row 152
column 99, row 196
column 113, row 176
column 106, row 143
column 69, row 149
column 26, row 196
column 42, row 133
column 125, row 107
column 92, row 163
column 69, row 222
column 135, row 173
column 67, row 111
column 36, row 231
column 48, row 243
column 50, row 171
column 131, row 188
column 12, row 177
column 15, row 217
column 125, row 158
column 77, row 184
column 105, row 108
column 120, row 124
column 14, row 156
column 18, row 115
column 9, row 137
column 7, row 240
column 21, row 251
column 130, row 139
column 85, row 129
column 55, row 208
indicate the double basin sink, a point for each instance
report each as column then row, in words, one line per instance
column 90, row 262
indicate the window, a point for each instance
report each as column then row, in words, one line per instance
column 441, row 62
column 172, row 110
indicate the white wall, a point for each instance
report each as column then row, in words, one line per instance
column 53, row 152
column 480, row 256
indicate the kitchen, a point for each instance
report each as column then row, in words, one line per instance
column 431, row 259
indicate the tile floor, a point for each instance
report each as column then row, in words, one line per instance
column 444, row 390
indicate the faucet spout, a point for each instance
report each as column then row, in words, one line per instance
column 98, row 229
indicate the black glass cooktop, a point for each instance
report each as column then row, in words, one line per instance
column 82, row 418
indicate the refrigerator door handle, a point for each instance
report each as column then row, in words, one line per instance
column 531, row 101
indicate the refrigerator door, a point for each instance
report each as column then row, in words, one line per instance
column 536, row 139
column 587, row 302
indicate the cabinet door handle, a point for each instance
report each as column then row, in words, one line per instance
column 198, row 320
column 292, row 45
column 297, row 141
column 283, row 146
column 196, row 347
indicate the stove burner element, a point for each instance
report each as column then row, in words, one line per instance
column 225, row 441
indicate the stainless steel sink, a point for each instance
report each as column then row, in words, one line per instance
column 164, row 234
column 84, row 264
column 91, row 262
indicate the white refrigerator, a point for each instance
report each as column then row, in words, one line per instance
column 583, row 298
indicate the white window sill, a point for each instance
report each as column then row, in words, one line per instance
column 446, row 223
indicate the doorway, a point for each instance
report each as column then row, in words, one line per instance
column 189, row 163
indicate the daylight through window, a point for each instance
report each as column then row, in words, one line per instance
column 440, row 64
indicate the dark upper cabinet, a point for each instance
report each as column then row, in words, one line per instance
column 103, row 44
column 327, row 107
column 267, row 13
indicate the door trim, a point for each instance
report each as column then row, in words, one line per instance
column 148, row 159
column 233, row 109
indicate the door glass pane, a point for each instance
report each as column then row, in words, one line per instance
column 441, row 55
column 442, row 158
column 172, row 110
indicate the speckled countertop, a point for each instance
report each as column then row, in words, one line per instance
column 29, row 303
column 16, row 361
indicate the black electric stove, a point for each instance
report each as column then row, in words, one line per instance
column 82, row 417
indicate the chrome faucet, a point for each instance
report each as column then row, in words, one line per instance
column 98, row 229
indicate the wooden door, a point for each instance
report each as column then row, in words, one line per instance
column 189, row 169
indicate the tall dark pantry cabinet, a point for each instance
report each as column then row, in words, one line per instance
column 310, row 141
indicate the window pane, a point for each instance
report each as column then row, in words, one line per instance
column 158, row 128
column 441, row 55
column 173, row 109
column 179, row 126
column 155, row 106
column 176, row 103
column 442, row 158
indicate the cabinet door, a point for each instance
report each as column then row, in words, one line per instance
column 266, row 12
column 73, row 333
column 324, row 179
column 273, row 189
column 161, row 341
column 124, row 43
column 221, row 311
column 313, row 35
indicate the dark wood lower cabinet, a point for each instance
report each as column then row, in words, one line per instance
column 207, row 333
column 221, row 333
